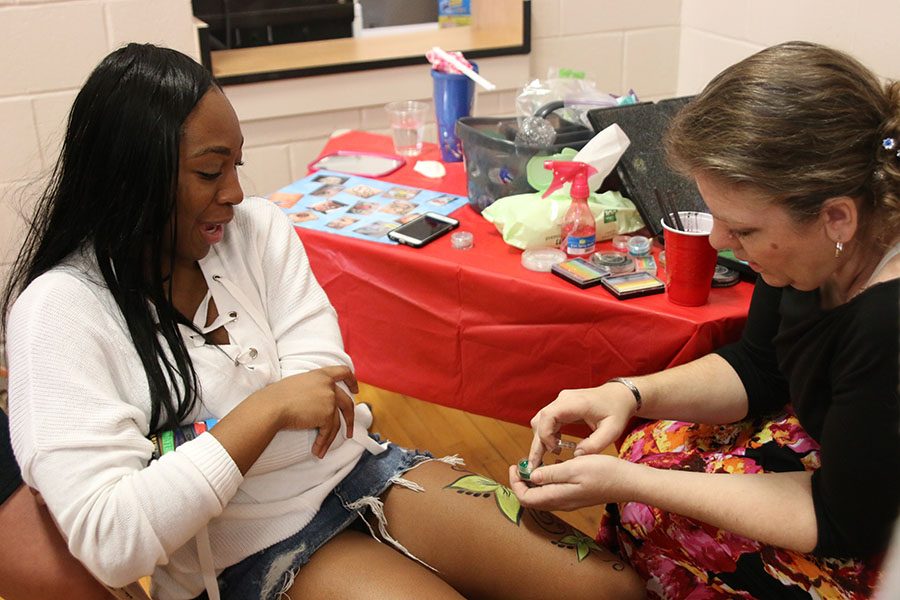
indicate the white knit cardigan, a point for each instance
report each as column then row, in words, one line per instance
column 80, row 409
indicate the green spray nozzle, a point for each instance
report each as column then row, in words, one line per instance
column 565, row 171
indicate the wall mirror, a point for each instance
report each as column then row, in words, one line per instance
column 245, row 41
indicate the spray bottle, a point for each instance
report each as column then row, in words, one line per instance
column 579, row 230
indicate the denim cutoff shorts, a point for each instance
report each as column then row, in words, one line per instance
column 266, row 574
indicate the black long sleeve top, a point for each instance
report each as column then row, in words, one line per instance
column 838, row 368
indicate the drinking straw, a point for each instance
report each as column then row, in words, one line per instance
column 462, row 68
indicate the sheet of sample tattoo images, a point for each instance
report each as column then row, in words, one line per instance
column 358, row 207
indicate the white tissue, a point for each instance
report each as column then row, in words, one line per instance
column 603, row 152
column 430, row 168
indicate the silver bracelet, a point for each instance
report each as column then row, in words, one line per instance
column 634, row 390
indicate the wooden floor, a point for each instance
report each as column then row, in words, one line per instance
column 488, row 446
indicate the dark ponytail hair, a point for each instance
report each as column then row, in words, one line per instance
column 113, row 192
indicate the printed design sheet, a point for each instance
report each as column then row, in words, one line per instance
column 358, row 207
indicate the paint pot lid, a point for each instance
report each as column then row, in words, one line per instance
column 638, row 245
column 542, row 259
column 620, row 243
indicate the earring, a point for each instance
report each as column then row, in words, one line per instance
column 838, row 248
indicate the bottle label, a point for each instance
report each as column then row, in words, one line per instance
column 577, row 246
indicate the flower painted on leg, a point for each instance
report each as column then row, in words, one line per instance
column 476, row 485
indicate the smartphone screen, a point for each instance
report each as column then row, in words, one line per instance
column 423, row 230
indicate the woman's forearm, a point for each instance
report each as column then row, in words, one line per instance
column 706, row 390
column 246, row 431
column 773, row 508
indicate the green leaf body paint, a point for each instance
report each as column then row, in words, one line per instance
column 506, row 500
column 582, row 544
column 508, row 504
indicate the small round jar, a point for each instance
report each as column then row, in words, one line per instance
column 620, row 243
column 724, row 277
column 462, row 240
column 542, row 259
column 639, row 246
column 614, row 263
column 524, row 469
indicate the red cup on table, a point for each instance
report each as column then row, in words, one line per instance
column 690, row 259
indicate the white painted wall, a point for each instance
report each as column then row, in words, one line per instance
column 715, row 34
column 48, row 48
column 661, row 48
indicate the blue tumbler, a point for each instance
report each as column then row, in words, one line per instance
column 453, row 97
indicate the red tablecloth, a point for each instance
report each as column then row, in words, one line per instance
column 474, row 330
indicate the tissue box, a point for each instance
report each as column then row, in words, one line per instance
column 496, row 165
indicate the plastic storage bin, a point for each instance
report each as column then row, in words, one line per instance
column 496, row 165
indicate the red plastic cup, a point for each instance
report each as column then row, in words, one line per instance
column 690, row 260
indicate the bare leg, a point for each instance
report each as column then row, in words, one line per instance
column 35, row 563
column 482, row 553
column 355, row 565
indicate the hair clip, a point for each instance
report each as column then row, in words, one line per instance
column 888, row 143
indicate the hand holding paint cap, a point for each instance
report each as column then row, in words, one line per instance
column 524, row 468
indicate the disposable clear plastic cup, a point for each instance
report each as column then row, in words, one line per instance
column 407, row 119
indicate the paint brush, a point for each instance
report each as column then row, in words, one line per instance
column 678, row 222
column 667, row 218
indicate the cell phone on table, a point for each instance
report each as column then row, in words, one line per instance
column 423, row 229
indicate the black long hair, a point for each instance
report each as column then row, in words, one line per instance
column 113, row 191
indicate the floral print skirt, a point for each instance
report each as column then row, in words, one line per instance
column 681, row 558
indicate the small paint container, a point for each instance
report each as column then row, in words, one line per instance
column 639, row 246
column 462, row 240
column 620, row 243
column 724, row 277
column 524, row 469
column 614, row 263
column 542, row 259
column 645, row 263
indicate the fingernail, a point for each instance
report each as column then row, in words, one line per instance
column 536, row 477
column 578, row 452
